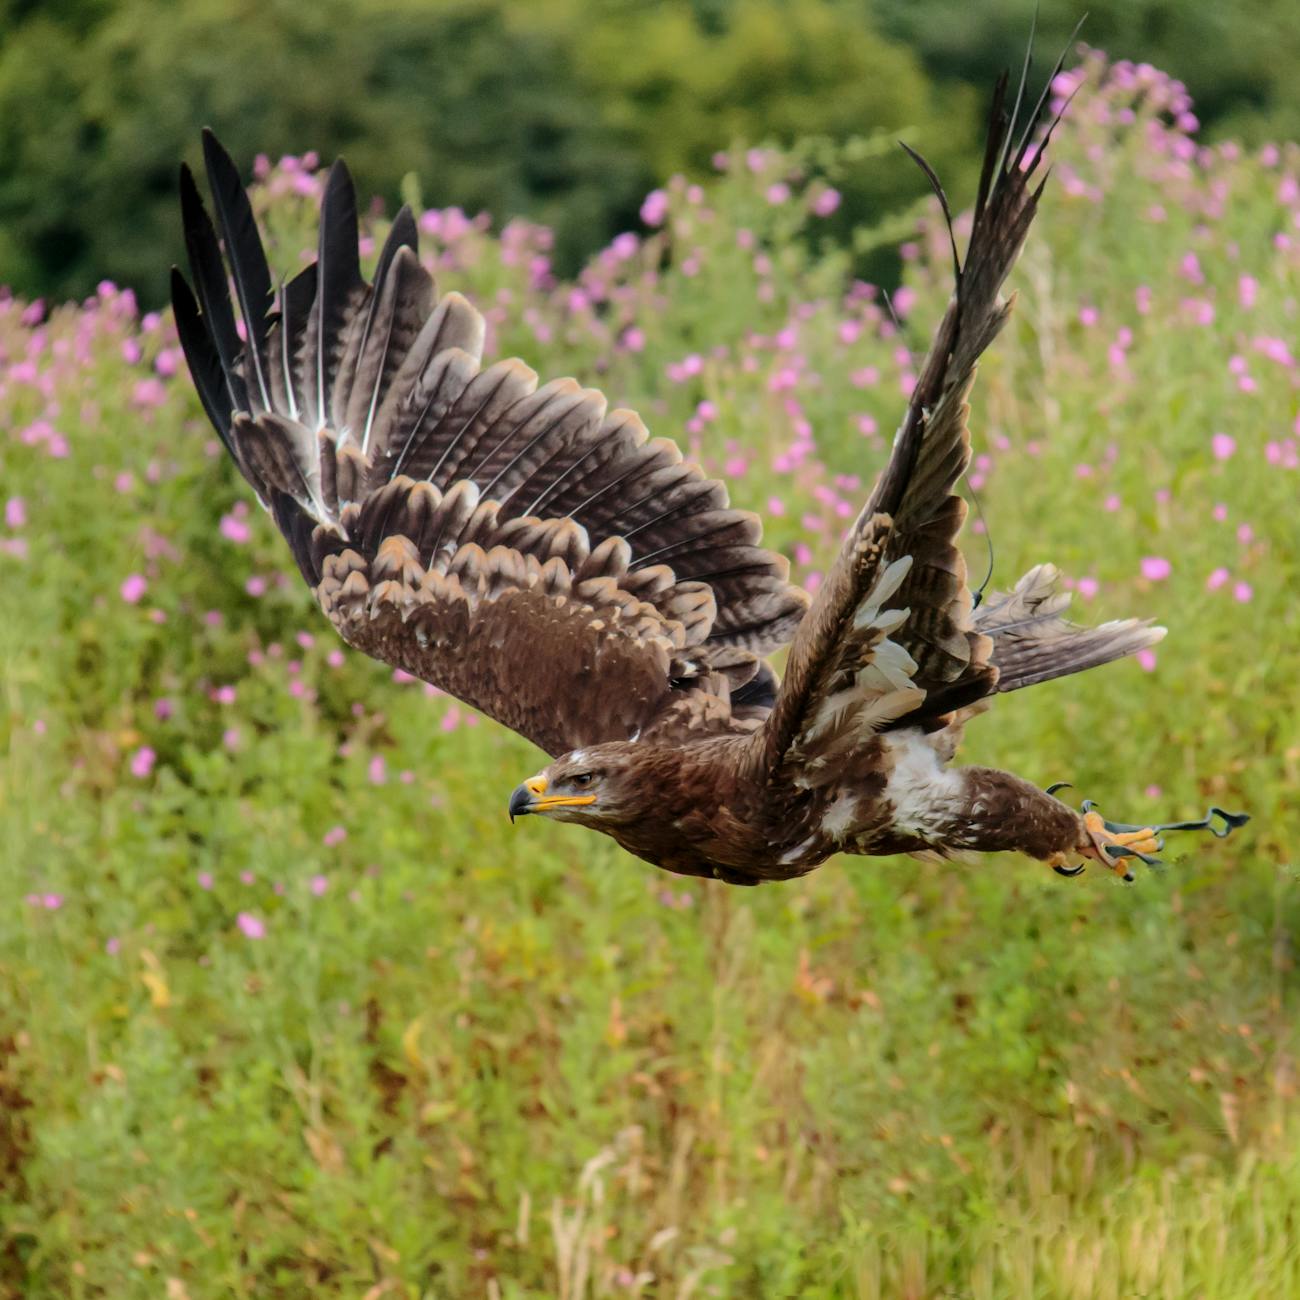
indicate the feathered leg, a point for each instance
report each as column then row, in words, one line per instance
column 997, row 812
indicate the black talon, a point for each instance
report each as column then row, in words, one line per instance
column 1058, row 785
column 1069, row 872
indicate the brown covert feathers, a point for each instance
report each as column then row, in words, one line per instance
column 544, row 560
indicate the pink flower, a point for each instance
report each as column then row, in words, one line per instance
column 777, row 193
column 1147, row 660
column 1088, row 587
column 334, row 836
column 15, row 512
column 1155, row 568
column 335, row 658
column 251, row 927
column 142, row 761
column 318, row 885
column 235, row 530
column 1223, row 445
column 133, row 588
column 655, row 208
column 149, row 392
column 378, row 770
column 1216, row 579
column 224, row 695
column 826, row 202
column 1242, row 593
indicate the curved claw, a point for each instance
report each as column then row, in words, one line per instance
column 1069, row 872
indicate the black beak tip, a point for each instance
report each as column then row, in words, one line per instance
column 519, row 802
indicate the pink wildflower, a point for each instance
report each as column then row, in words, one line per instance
column 826, row 202
column 250, row 926
column 1155, row 568
column 235, row 530
column 142, row 761
column 655, row 208
column 1223, row 445
column 133, row 588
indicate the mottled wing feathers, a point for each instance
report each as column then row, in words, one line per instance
column 515, row 543
column 919, row 619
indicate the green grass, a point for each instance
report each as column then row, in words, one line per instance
column 488, row 1061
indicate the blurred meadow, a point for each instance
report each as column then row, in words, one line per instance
column 288, row 1008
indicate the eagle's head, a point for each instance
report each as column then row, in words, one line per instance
column 595, row 786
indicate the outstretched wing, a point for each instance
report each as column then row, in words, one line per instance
column 519, row 546
column 891, row 639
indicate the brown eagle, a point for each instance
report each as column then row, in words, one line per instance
column 542, row 559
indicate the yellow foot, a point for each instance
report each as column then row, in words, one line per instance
column 1144, row 841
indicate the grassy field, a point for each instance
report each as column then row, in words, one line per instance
column 286, row 1005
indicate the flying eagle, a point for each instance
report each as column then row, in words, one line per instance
column 542, row 559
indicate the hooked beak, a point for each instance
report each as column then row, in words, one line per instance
column 531, row 797
column 520, row 801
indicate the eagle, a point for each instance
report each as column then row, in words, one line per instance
column 543, row 559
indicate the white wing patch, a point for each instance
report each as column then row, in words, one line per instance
column 841, row 816
column 925, row 796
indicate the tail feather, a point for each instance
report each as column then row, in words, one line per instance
column 1033, row 642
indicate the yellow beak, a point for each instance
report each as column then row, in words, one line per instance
column 531, row 797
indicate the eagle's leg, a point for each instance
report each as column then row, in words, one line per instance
column 1000, row 812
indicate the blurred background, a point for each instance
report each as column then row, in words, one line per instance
column 288, row 1008
column 565, row 111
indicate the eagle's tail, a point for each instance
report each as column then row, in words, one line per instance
column 1033, row 642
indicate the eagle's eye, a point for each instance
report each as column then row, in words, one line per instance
column 581, row 779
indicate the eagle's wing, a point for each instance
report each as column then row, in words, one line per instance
column 891, row 638
column 519, row 546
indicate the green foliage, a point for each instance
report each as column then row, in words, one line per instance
column 564, row 110
column 469, row 1059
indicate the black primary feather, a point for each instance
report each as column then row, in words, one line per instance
column 248, row 265
column 202, row 358
column 210, row 284
column 338, row 279
column 402, row 234
column 296, row 298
